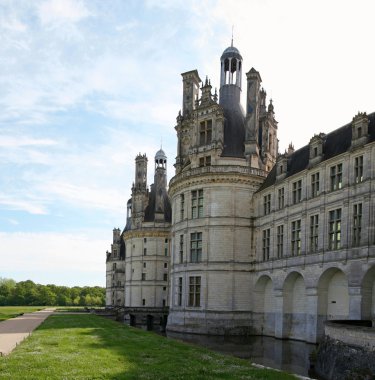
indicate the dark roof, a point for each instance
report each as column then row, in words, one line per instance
column 234, row 121
column 122, row 249
column 335, row 143
column 231, row 52
column 150, row 209
column 234, row 133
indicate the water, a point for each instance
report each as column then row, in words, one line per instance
column 287, row 355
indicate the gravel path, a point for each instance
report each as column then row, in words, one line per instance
column 13, row 331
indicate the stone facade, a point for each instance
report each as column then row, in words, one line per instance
column 223, row 157
column 115, row 269
column 260, row 242
column 315, row 235
column 142, row 275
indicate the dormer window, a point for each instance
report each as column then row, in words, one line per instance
column 359, row 129
column 316, row 149
column 281, row 166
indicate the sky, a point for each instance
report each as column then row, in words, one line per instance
column 87, row 85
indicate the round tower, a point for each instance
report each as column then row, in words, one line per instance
column 211, row 230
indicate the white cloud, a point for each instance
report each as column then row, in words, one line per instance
column 60, row 258
column 14, row 25
column 54, row 12
column 21, row 141
column 23, row 203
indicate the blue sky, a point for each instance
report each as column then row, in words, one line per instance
column 86, row 85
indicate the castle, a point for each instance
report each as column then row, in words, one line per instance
column 247, row 240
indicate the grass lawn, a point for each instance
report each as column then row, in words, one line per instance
column 7, row 312
column 86, row 346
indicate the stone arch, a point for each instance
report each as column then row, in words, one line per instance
column 368, row 295
column 264, row 306
column 294, row 307
column 333, row 297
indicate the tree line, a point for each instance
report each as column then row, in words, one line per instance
column 27, row 293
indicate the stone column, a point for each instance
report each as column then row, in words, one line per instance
column 355, row 302
column 279, row 315
column 311, row 315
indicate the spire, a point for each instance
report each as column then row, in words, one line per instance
column 232, row 36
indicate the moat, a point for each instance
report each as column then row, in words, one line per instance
column 287, row 355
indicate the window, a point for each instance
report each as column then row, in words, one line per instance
column 144, row 240
column 334, row 229
column 181, row 249
column 315, row 185
column 144, row 251
column 336, row 177
column 196, row 247
column 165, row 265
column 114, row 266
column 143, row 302
column 280, row 196
column 165, row 277
column 164, row 303
column 315, row 151
column 267, row 204
column 314, row 232
column 297, row 191
column 166, row 247
column 280, row 241
column 118, row 283
column 164, row 288
column 205, row 132
column 357, row 224
column 144, row 265
column 194, row 291
column 179, row 292
column 196, row 204
column 296, row 238
column 115, row 252
column 358, row 169
column 143, row 276
column 205, row 161
column 266, row 244
column 182, row 206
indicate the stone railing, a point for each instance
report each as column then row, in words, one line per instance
column 218, row 169
column 351, row 334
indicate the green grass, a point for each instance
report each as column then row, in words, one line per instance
column 85, row 346
column 7, row 312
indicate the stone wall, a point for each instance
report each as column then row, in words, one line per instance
column 336, row 360
column 352, row 335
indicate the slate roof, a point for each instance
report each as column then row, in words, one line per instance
column 334, row 143
column 234, row 133
column 150, row 209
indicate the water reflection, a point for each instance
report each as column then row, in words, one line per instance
column 287, row 355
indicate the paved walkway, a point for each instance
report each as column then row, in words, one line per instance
column 15, row 330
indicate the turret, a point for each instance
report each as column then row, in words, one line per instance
column 139, row 190
column 230, row 77
column 160, row 183
column 191, row 82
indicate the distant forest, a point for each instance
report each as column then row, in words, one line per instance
column 27, row 293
